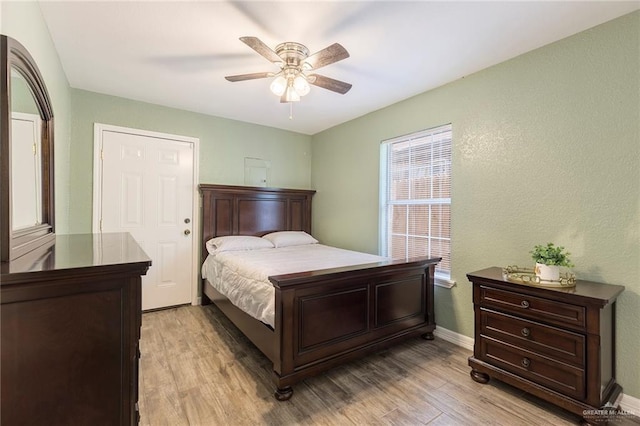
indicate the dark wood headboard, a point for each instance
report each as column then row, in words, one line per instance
column 245, row 210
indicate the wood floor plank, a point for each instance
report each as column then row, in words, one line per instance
column 445, row 420
column 163, row 407
column 196, row 368
column 403, row 417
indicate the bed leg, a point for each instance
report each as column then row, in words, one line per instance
column 428, row 335
column 283, row 394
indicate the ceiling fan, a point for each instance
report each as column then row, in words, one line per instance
column 297, row 68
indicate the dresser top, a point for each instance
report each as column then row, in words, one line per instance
column 593, row 292
column 76, row 253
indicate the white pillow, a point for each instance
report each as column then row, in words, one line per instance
column 236, row 243
column 290, row 238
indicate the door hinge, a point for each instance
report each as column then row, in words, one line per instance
column 100, row 225
column 102, row 154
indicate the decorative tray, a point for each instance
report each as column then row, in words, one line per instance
column 528, row 276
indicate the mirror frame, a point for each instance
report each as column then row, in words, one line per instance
column 15, row 243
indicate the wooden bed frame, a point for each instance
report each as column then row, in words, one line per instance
column 322, row 318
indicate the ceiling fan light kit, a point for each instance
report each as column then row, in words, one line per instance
column 290, row 88
column 278, row 85
column 294, row 78
column 301, row 85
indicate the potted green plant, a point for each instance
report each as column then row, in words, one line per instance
column 549, row 259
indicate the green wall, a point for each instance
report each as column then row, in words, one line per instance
column 223, row 146
column 23, row 21
column 546, row 148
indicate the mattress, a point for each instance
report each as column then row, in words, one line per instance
column 242, row 276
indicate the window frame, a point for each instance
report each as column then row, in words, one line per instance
column 443, row 277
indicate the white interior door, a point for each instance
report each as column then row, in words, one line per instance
column 147, row 189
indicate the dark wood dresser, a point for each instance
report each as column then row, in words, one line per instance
column 70, row 324
column 555, row 343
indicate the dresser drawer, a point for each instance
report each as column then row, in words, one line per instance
column 539, row 338
column 537, row 308
column 552, row 374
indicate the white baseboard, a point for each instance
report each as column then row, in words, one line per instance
column 630, row 404
column 453, row 337
column 627, row 403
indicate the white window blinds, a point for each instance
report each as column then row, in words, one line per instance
column 416, row 196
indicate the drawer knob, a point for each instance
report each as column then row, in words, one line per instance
column 525, row 332
column 526, row 362
column 524, row 304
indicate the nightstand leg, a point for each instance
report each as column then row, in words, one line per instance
column 479, row 377
column 428, row 335
column 283, row 394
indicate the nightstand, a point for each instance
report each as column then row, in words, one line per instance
column 555, row 343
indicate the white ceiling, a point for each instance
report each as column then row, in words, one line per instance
column 177, row 53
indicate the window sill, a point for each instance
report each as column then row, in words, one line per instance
column 444, row 282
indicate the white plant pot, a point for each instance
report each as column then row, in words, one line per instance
column 547, row 272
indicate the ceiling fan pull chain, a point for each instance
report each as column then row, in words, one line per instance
column 290, row 110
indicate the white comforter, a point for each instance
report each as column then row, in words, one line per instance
column 242, row 276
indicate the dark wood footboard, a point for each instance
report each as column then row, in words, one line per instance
column 329, row 317
column 325, row 318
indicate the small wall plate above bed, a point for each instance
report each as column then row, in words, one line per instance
column 323, row 318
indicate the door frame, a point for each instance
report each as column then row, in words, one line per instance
column 98, row 130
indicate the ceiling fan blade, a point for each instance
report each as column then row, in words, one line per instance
column 252, row 76
column 329, row 83
column 328, row 55
column 256, row 44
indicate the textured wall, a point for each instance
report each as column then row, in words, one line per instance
column 223, row 146
column 546, row 148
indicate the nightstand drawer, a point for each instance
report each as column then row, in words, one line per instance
column 539, row 338
column 552, row 374
column 537, row 308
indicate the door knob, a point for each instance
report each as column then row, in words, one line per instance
column 187, row 232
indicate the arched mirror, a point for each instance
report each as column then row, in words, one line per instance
column 26, row 154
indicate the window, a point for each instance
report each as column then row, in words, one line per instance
column 415, row 197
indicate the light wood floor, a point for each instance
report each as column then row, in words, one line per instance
column 196, row 368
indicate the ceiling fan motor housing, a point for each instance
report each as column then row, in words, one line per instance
column 292, row 53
